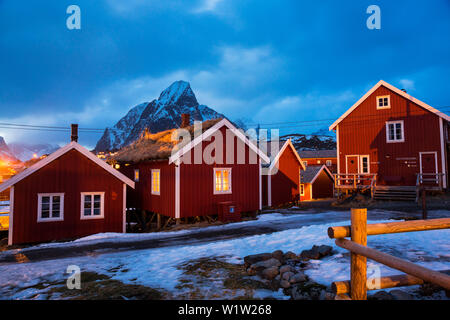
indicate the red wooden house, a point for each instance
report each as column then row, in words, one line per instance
column 281, row 182
column 395, row 136
column 71, row 193
column 197, row 178
column 320, row 157
column 317, row 182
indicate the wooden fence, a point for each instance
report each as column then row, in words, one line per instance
column 358, row 231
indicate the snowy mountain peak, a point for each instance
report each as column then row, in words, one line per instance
column 158, row 115
column 175, row 91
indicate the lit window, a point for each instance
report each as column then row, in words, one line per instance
column 156, row 181
column 328, row 163
column 395, row 131
column 365, row 164
column 92, row 205
column 222, row 181
column 383, row 102
column 50, row 207
column 136, row 175
column 302, row 189
column 318, row 161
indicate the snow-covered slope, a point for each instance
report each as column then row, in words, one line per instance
column 5, row 151
column 311, row 142
column 160, row 114
column 25, row 152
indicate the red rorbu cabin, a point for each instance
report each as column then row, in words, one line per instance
column 396, row 138
column 218, row 168
column 317, row 182
column 319, row 157
column 69, row 194
column 281, row 183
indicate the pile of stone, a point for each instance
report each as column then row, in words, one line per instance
column 285, row 270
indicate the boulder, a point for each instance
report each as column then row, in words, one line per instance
column 285, row 284
column 382, row 295
column 400, row 295
column 254, row 258
column 285, row 268
column 287, row 276
column 278, row 254
column 298, row 277
column 270, row 273
column 261, row 265
column 291, row 256
column 316, row 252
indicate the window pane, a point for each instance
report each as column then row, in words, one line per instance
column 87, row 211
column 87, row 205
column 87, row 198
column 391, row 132
column 226, row 184
column 398, row 131
column 96, row 211
column 380, row 102
column 218, row 180
column 385, row 102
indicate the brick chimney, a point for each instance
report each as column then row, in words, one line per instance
column 185, row 120
column 74, row 135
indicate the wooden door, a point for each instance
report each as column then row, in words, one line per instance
column 352, row 168
column 428, row 165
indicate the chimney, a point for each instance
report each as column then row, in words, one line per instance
column 74, row 135
column 185, row 120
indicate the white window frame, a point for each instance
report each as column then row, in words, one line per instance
column 329, row 163
column 102, row 205
column 403, row 131
column 136, row 175
column 230, row 189
column 361, row 167
column 302, row 189
column 305, row 163
column 61, row 209
column 157, row 193
column 383, row 107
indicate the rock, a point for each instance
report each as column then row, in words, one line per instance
column 316, row 252
column 298, row 277
column 287, row 276
column 278, row 278
column 291, row 256
column 325, row 250
column 278, row 255
column 259, row 266
column 297, row 294
column 400, row 295
column 251, row 272
column 382, row 295
column 285, row 284
column 254, row 258
column 270, row 273
column 285, row 268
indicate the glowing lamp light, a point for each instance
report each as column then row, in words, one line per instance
column 35, row 156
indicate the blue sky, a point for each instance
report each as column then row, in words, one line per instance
column 262, row 61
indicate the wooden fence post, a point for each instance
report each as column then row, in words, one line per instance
column 358, row 267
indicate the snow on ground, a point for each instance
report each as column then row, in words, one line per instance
column 157, row 267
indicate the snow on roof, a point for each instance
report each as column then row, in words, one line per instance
column 308, row 154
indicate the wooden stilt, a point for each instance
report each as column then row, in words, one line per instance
column 158, row 222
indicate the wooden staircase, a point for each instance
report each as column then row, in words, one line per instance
column 395, row 193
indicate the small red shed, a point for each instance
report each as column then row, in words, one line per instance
column 319, row 157
column 218, row 166
column 71, row 193
column 395, row 136
column 281, row 184
column 317, row 182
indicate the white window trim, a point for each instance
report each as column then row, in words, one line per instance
column 328, row 163
column 156, row 193
column 383, row 107
column 361, row 157
column 230, row 190
column 305, row 163
column 102, row 206
column 61, row 209
column 302, row 189
column 387, row 131
column 136, row 171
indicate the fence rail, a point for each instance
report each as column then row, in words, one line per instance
column 358, row 231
